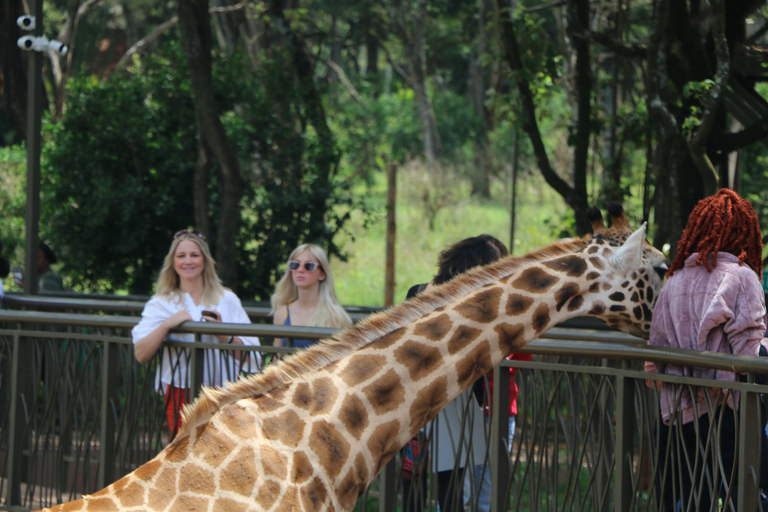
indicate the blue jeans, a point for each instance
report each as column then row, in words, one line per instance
column 479, row 477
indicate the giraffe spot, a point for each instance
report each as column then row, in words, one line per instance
column 594, row 288
column 386, row 393
column 598, row 308
column 638, row 312
column 177, row 450
column 240, row 474
column 313, row 495
column 290, row 500
column 238, row 421
column 268, row 494
column 535, row 280
column 593, row 249
column 435, row 328
column 273, row 463
column 572, row 265
column 267, row 403
column 279, row 392
column 331, row 368
column 607, row 286
column 593, row 275
column 212, row 445
column 384, row 443
column 429, row 401
column 131, row 495
column 647, row 312
column 101, row 505
column 317, row 396
column 301, row 469
column 598, row 263
column 73, row 506
column 331, row 447
column 474, row 365
column 563, row 294
column 287, row 428
column 511, row 337
column 541, row 318
column 616, row 296
column 187, row 502
column 388, row 340
column 462, row 336
column 159, row 498
column 641, row 294
column 228, row 505
column 518, row 304
column 617, row 307
column 354, row 416
column 576, row 303
column 117, row 486
column 361, row 368
column 354, row 483
column 482, row 307
column 419, row 359
column 649, row 293
column 193, row 478
column 625, row 284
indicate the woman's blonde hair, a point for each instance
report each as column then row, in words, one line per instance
column 168, row 280
column 329, row 312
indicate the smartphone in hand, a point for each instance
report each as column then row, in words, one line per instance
column 211, row 315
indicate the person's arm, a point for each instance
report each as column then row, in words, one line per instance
column 147, row 345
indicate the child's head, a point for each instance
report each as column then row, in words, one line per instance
column 723, row 222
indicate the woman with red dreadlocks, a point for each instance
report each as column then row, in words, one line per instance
column 713, row 301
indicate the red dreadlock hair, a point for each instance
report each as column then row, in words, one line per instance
column 723, row 222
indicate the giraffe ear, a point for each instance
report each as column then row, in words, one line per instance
column 630, row 256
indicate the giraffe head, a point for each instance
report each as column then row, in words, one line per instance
column 628, row 273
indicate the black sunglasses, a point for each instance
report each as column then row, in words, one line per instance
column 309, row 266
column 195, row 232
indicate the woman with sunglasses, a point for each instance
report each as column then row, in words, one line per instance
column 188, row 289
column 306, row 294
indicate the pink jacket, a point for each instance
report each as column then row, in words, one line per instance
column 719, row 311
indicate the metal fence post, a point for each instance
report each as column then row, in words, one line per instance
column 108, row 421
column 387, row 487
column 749, row 450
column 625, row 426
column 500, row 454
column 196, row 366
column 22, row 403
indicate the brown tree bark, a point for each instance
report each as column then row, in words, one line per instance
column 13, row 76
column 575, row 197
column 194, row 21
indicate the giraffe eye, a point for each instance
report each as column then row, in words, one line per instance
column 661, row 271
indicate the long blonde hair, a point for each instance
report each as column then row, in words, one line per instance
column 168, row 280
column 329, row 312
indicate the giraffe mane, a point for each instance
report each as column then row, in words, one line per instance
column 330, row 350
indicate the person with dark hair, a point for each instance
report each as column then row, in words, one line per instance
column 47, row 279
column 453, row 452
column 713, row 300
column 5, row 268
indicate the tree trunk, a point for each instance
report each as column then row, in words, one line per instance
column 194, row 21
column 13, row 76
column 575, row 197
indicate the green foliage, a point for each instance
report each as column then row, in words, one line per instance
column 117, row 176
column 13, row 195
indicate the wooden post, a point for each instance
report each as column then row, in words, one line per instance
column 389, row 275
column 513, row 202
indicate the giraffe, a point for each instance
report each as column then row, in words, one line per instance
column 311, row 432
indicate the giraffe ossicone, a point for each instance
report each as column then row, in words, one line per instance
column 311, row 432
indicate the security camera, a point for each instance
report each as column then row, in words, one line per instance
column 26, row 22
column 57, row 47
column 26, row 42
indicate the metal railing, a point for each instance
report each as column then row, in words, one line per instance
column 77, row 412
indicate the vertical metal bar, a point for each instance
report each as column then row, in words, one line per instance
column 387, row 486
column 604, row 428
column 196, row 366
column 501, row 470
column 389, row 267
column 750, row 438
column 34, row 112
column 22, row 405
column 108, row 421
column 625, row 426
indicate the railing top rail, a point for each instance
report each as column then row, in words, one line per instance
column 557, row 341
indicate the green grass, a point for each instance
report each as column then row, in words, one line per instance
column 360, row 280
